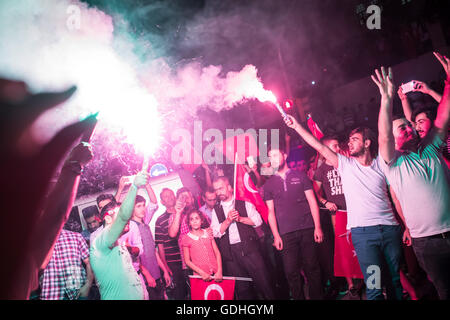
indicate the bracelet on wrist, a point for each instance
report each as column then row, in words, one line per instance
column 324, row 203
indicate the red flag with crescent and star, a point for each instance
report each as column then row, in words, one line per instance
column 246, row 191
column 202, row 290
column 237, row 148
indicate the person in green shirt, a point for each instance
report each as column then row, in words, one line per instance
column 111, row 262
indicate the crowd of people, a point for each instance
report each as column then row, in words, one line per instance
column 342, row 222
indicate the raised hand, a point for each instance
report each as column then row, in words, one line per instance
column 400, row 93
column 291, row 122
column 384, row 81
column 141, row 179
column 421, row 87
column 445, row 63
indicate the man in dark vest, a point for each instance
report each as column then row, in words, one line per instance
column 233, row 222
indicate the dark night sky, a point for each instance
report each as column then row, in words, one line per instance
column 291, row 42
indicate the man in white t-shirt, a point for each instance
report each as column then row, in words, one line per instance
column 420, row 178
column 376, row 234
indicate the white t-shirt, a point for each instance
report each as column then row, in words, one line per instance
column 366, row 193
column 421, row 183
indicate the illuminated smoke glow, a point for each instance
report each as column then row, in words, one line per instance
column 130, row 94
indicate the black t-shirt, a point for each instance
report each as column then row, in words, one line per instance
column 331, row 184
column 291, row 207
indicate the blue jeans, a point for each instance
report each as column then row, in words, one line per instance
column 433, row 255
column 379, row 252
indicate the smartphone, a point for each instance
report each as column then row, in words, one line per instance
column 408, row 87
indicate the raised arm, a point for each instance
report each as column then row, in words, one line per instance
column 126, row 209
column 124, row 181
column 151, row 193
column 406, row 106
column 312, row 141
column 175, row 225
column 386, row 143
column 59, row 202
column 443, row 112
column 424, row 88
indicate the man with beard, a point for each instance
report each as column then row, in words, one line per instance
column 376, row 234
column 295, row 223
column 424, row 116
column 112, row 265
column 233, row 222
column 418, row 175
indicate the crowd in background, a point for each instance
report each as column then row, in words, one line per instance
column 333, row 216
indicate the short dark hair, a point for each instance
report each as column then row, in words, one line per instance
column 105, row 196
column 89, row 212
column 205, row 223
column 367, row 134
column 183, row 189
column 430, row 113
column 329, row 137
column 110, row 206
column 209, row 190
column 397, row 116
column 139, row 199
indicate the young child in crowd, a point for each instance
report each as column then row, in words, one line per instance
column 201, row 253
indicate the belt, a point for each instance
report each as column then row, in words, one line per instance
column 445, row 235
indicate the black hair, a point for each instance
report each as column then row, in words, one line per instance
column 367, row 134
column 139, row 199
column 209, row 190
column 329, row 137
column 397, row 116
column 110, row 206
column 430, row 113
column 105, row 196
column 205, row 223
column 91, row 211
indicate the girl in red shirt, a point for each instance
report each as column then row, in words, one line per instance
column 201, row 253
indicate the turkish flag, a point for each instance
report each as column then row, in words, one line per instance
column 202, row 290
column 345, row 260
column 314, row 128
column 246, row 191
